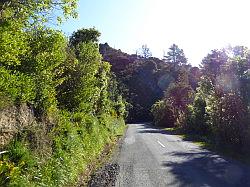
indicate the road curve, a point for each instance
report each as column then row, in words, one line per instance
column 153, row 157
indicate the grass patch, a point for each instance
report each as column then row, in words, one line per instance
column 170, row 129
column 101, row 160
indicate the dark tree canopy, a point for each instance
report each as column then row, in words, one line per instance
column 213, row 63
column 85, row 36
column 144, row 78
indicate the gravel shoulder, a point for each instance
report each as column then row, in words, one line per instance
column 106, row 176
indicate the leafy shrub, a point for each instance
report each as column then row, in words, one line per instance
column 163, row 114
column 74, row 146
column 16, row 86
column 196, row 117
column 231, row 123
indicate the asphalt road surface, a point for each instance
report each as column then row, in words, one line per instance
column 153, row 157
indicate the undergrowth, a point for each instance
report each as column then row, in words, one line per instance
column 59, row 161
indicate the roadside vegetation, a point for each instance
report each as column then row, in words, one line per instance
column 80, row 92
column 71, row 91
column 216, row 111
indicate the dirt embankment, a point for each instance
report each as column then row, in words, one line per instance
column 12, row 120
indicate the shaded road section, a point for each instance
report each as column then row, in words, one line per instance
column 154, row 157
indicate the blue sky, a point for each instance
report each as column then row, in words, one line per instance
column 197, row 26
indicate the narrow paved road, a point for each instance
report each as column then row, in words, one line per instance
column 153, row 157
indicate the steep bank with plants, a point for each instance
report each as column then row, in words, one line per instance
column 59, row 102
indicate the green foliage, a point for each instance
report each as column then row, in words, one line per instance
column 13, row 44
column 197, row 117
column 38, row 66
column 83, row 87
column 179, row 95
column 30, row 59
column 173, row 108
column 74, row 146
column 31, row 76
column 121, row 107
column 17, row 87
column 142, row 79
column 175, row 56
column 18, row 159
column 226, row 104
column 229, row 119
column 87, row 91
column 213, row 64
column 47, row 54
column 84, row 36
column 219, row 108
column 37, row 12
column 196, row 120
column 163, row 114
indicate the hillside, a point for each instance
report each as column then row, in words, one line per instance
column 144, row 80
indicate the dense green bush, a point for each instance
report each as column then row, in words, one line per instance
column 229, row 119
column 16, row 86
column 72, row 92
column 163, row 114
column 196, row 117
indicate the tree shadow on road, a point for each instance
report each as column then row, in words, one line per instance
column 149, row 128
column 202, row 168
column 203, row 141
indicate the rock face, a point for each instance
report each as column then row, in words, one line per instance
column 12, row 120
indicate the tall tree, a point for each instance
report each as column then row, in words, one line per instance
column 213, row 63
column 176, row 56
column 144, row 52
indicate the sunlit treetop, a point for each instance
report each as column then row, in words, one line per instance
column 33, row 12
column 84, row 36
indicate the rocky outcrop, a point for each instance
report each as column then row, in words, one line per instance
column 12, row 120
